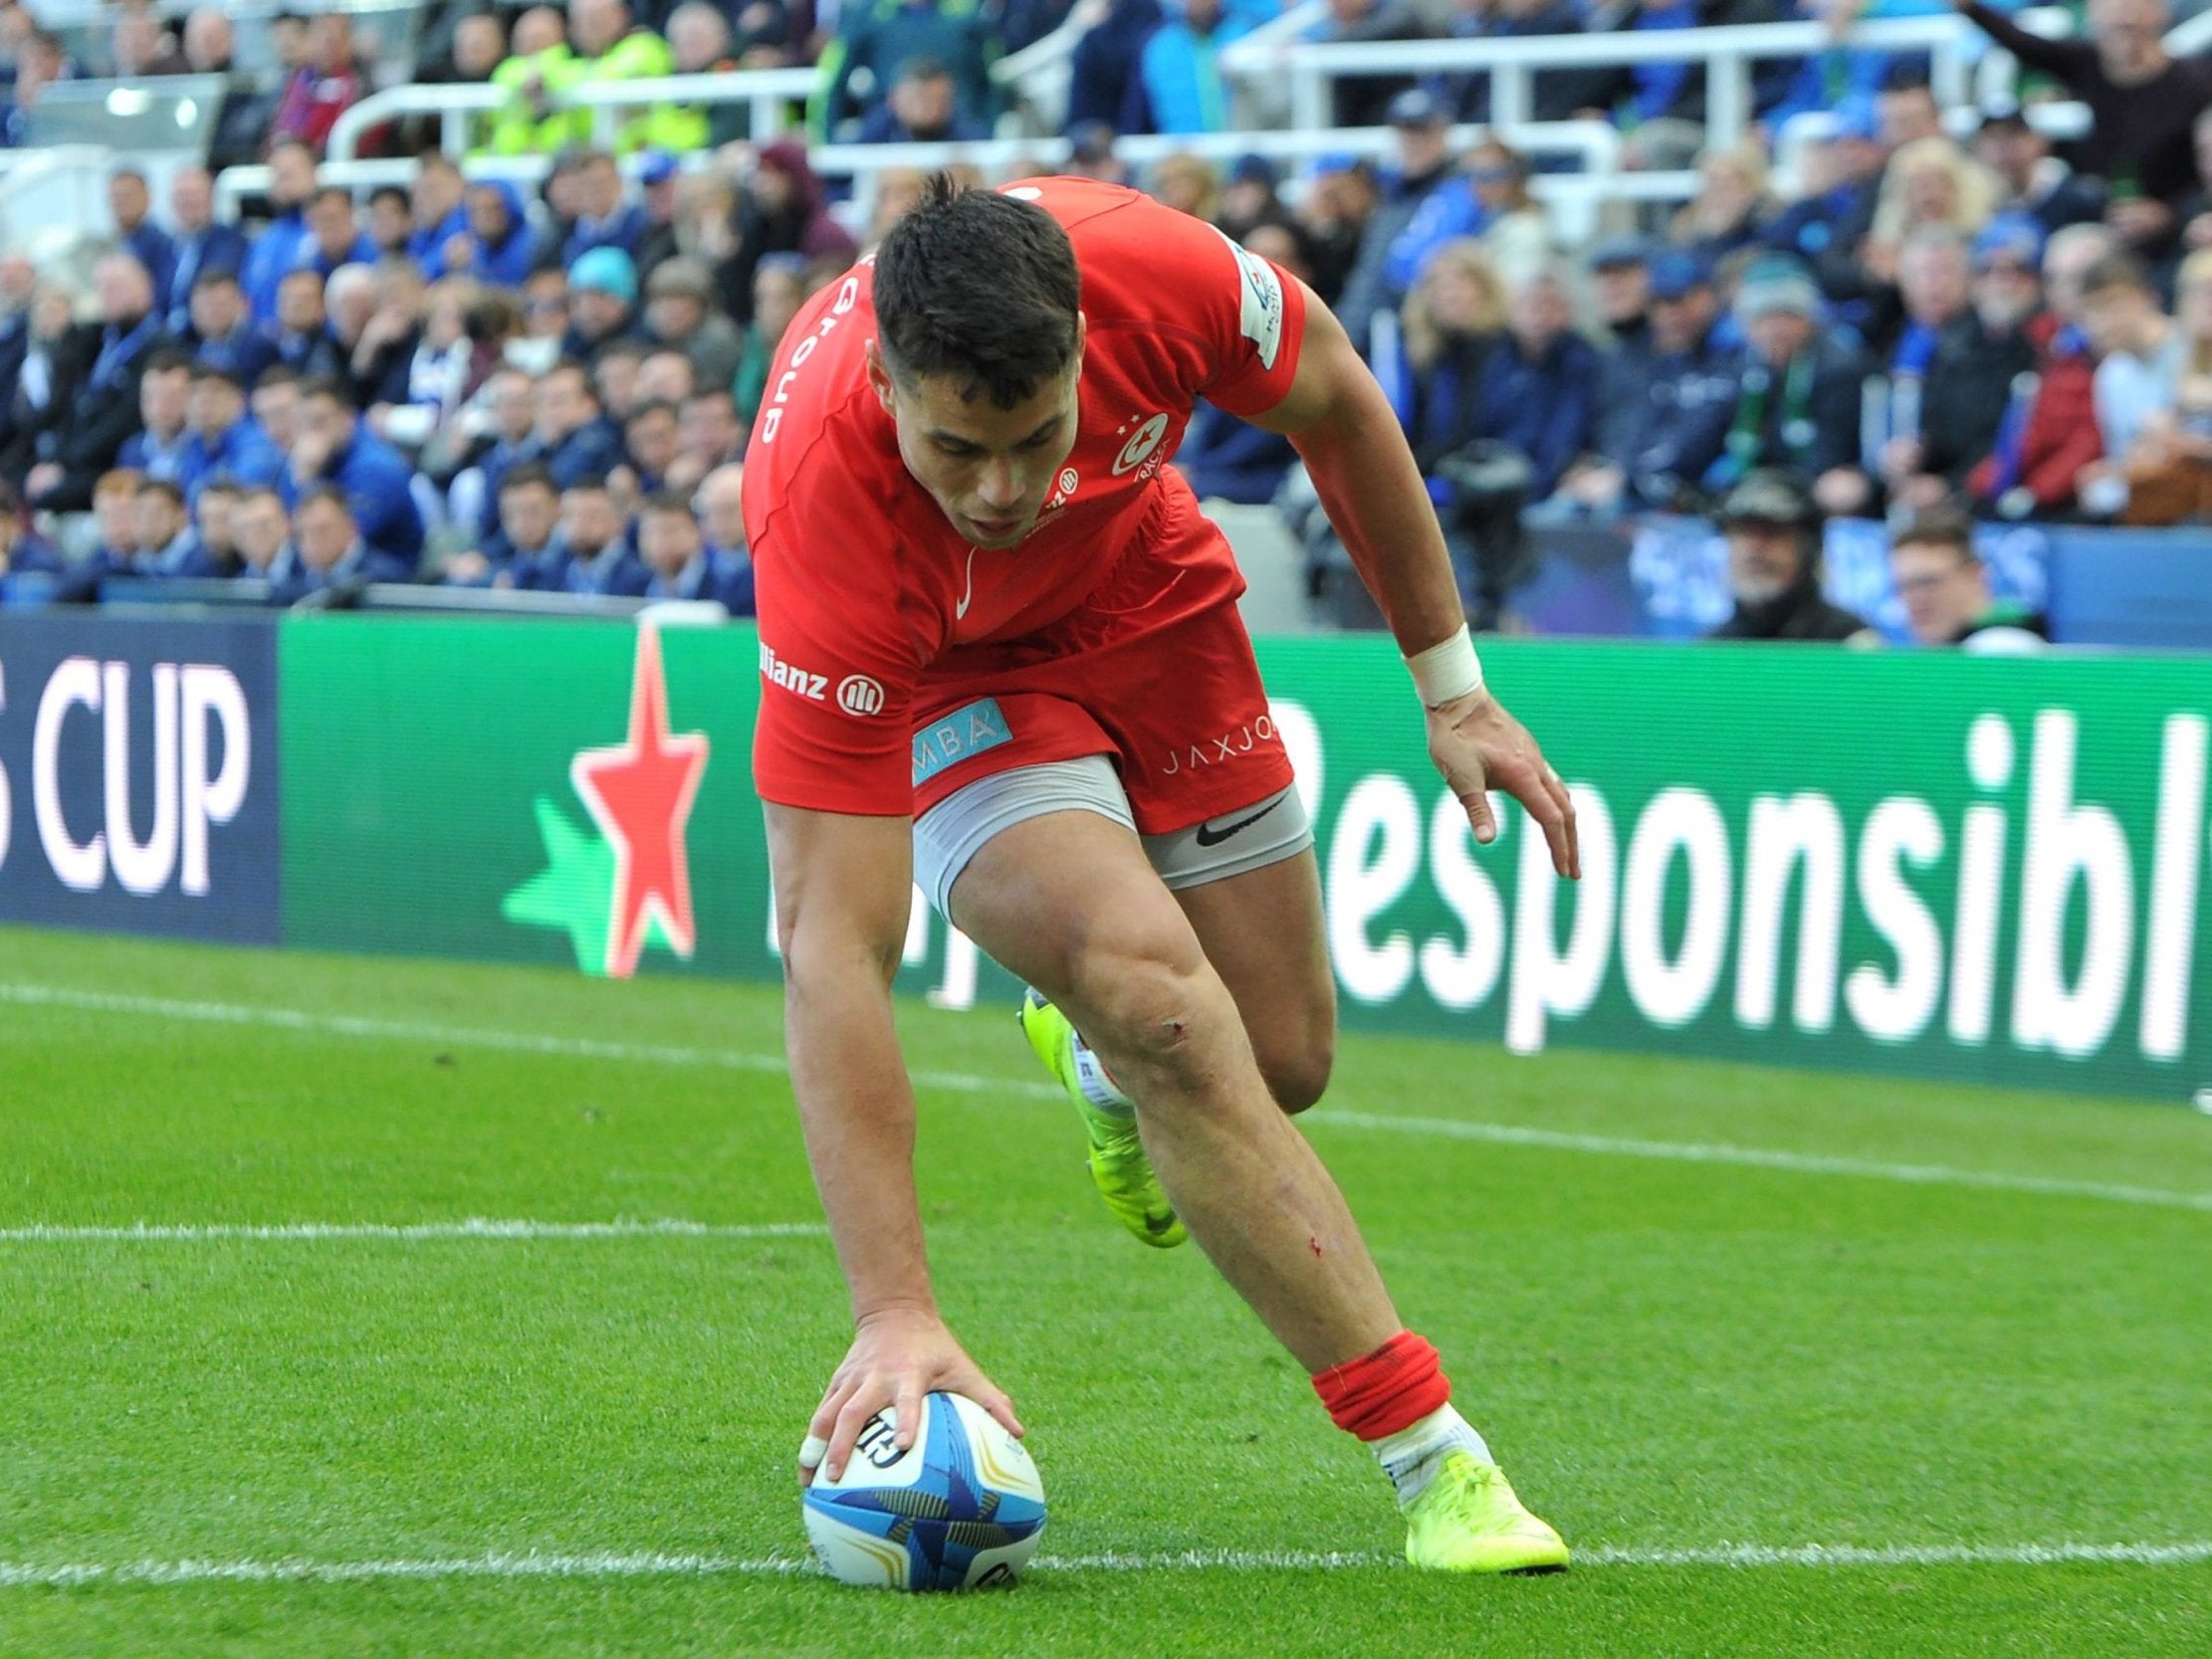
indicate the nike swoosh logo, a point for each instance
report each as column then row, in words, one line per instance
column 960, row 611
column 1208, row 836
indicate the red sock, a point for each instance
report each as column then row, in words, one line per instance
column 1382, row 1392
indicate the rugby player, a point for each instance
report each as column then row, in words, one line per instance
column 1002, row 658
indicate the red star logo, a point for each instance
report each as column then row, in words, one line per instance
column 640, row 792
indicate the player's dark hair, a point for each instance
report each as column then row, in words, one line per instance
column 981, row 286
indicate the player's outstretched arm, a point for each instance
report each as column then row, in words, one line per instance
column 1340, row 422
column 843, row 885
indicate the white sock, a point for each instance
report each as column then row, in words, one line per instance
column 1097, row 1084
column 1412, row 1456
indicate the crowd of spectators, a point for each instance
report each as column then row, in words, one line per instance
column 463, row 382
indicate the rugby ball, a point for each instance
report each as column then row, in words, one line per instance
column 960, row 1507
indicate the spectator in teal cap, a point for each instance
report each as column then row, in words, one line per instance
column 602, row 303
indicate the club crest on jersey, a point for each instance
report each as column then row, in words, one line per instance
column 1138, row 449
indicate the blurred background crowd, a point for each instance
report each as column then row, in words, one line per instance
column 527, row 358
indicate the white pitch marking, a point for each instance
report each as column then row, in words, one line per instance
column 654, row 1564
column 1452, row 1129
column 474, row 1227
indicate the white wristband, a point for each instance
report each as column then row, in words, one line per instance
column 1446, row 673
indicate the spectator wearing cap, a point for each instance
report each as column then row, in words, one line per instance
column 2036, row 183
column 2049, row 435
column 923, row 107
column 2143, row 104
column 680, row 315
column 680, row 565
column 1179, row 86
column 99, row 410
column 156, row 449
column 1946, row 592
column 880, row 35
column 324, row 88
column 130, row 204
column 1104, row 66
column 1421, row 190
column 1663, row 406
column 1621, row 281
column 374, row 479
column 602, row 303
column 222, row 439
column 202, row 244
column 1773, row 529
column 1797, row 399
column 1835, row 212
column 1980, row 357
column 660, row 190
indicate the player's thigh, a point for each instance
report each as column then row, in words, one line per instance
column 1263, row 931
column 1067, row 902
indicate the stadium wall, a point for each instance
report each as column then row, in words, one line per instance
column 1986, row 868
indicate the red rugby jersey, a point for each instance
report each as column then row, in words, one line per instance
column 869, row 598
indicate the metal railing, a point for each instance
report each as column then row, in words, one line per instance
column 1727, row 53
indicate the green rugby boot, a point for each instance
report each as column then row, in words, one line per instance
column 1469, row 1521
column 1119, row 1168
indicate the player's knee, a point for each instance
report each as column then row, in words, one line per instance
column 1144, row 1000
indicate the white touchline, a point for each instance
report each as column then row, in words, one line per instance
column 654, row 1564
column 473, row 1227
column 1451, row 1129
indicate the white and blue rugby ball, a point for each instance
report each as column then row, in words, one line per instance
column 961, row 1507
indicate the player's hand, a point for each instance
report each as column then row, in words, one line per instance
column 897, row 1356
column 1478, row 746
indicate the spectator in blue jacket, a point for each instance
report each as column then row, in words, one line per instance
column 923, row 109
column 334, row 235
column 1424, row 169
column 574, row 439
column 437, row 212
column 678, row 562
column 524, row 550
column 1663, row 405
column 603, row 218
column 158, row 447
column 375, row 478
column 202, row 244
column 1179, row 86
column 597, row 541
column 503, row 249
column 223, row 440
column 1105, row 64
column 222, row 334
column 167, row 544
column 720, row 506
column 131, row 204
column 331, row 548
column 277, row 251
column 1538, row 391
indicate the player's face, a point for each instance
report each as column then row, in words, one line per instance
column 990, row 468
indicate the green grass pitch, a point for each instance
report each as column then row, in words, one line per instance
column 1948, row 1337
